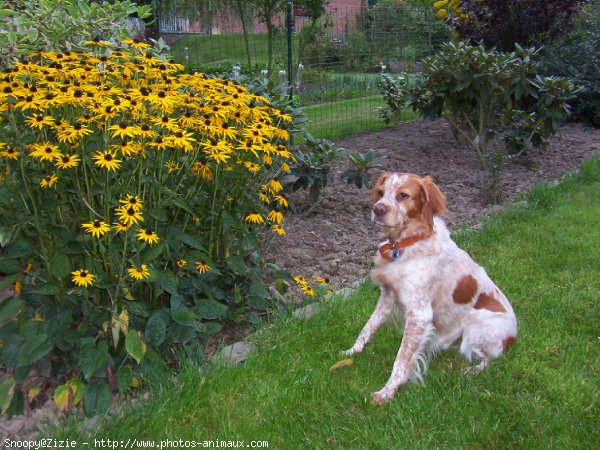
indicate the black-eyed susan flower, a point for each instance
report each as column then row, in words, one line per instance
column 136, row 43
column 122, row 130
column 255, row 218
column 278, row 229
column 275, row 216
column 39, row 120
column 97, row 42
column 45, row 151
column 252, row 167
column 140, row 273
column 282, row 201
column 202, row 267
column 96, row 228
column 48, row 181
column 301, row 280
column 9, row 152
column 273, row 186
column 308, row 290
column 128, row 215
column 181, row 263
column 83, row 277
column 148, row 236
column 67, row 161
column 202, row 170
column 132, row 200
column 182, row 139
column 172, row 166
column 144, row 131
column 119, row 227
column 107, row 160
column 322, row 280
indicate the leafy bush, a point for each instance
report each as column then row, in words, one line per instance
column 575, row 55
column 311, row 170
column 362, row 164
column 486, row 95
column 505, row 24
column 29, row 25
column 134, row 205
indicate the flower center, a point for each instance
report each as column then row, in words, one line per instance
column 108, row 157
column 97, row 224
column 82, row 274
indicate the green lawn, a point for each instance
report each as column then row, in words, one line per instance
column 543, row 394
column 337, row 119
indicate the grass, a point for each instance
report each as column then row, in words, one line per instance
column 543, row 394
column 338, row 119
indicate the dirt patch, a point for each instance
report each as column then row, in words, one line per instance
column 337, row 239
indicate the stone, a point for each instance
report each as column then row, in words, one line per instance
column 236, row 354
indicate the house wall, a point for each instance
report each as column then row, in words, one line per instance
column 343, row 13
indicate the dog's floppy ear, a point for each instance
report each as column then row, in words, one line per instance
column 435, row 202
column 376, row 191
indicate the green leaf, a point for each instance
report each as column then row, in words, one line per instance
column 69, row 394
column 168, row 281
column 93, row 357
column 124, row 379
column 190, row 241
column 7, row 391
column 194, row 351
column 49, row 288
column 182, row 204
column 210, row 309
column 34, row 349
column 156, row 329
column 259, row 290
column 9, row 266
column 10, row 308
column 154, row 252
column 135, row 345
column 8, row 281
column 18, row 249
column 97, row 398
column 60, row 265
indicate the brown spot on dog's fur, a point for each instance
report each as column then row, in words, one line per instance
column 465, row 290
column 508, row 343
column 486, row 301
column 377, row 191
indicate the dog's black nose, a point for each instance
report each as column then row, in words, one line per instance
column 379, row 209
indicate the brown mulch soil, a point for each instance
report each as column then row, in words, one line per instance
column 337, row 240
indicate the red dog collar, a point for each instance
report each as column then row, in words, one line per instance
column 390, row 251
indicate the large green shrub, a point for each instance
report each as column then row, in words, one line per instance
column 485, row 96
column 136, row 202
column 29, row 25
column 575, row 55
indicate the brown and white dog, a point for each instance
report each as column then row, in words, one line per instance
column 445, row 297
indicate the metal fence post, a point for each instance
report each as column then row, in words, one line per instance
column 290, row 29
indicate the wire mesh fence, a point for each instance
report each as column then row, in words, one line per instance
column 335, row 61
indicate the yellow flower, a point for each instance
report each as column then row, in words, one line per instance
column 322, row 280
column 183, row 140
column 255, row 218
column 139, row 274
column 282, row 201
column 10, row 152
column 97, row 42
column 107, row 160
column 275, row 216
column 122, row 130
column 136, row 43
column 171, row 166
column 67, row 161
column 48, row 181
column 45, row 151
column 181, row 263
column 83, row 277
column 252, row 167
column 39, row 120
column 278, row 229
column 128, row 215
column 301, row 280
column 148, row 236
column 441, row 14
column 118, row 227
column 133, row 201
column 202, row 267
column 202, row 170
column 307, row 290
column 97, row 228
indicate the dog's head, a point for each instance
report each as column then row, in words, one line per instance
column 406, row 200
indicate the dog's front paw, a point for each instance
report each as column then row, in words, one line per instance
column 381, row 397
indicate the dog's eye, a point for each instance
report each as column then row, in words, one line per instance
column 402, row 196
